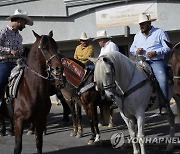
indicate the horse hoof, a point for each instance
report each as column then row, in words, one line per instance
column 79, row 135
column 91, row 141
column 110, row 125
column 44, row 133
column 73, row 134
column 10, row 133
column 100, row 125
column 30, row 132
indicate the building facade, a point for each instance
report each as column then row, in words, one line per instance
column 68, row 18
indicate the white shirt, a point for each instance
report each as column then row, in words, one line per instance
column 109, row 46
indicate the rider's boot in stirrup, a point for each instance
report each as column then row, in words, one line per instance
column 163, row 110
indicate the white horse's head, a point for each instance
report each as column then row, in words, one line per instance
column 104, row 76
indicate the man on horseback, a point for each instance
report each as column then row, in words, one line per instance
column 149, row 42
column 11, row 44
column 106, row 46
column 11, row 49
column 84, row 50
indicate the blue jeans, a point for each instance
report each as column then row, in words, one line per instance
column 5, row 71
column 160, row 72
column 91, row 66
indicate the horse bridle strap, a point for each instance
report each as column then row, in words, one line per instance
column 131, row 90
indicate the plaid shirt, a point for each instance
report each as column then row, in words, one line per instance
column 9, row 40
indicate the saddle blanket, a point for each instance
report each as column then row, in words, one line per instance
column 14, row 79
column 74, row 72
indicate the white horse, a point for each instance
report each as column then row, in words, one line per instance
column 125, row 83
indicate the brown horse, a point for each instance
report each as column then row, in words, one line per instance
column 175, row 61
column 32, row 102
column 82, row 95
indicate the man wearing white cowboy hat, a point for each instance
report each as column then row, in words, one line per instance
column 84, row 50
column 11, row 44
column 106, row 46
column 105, row 42
column 149, row 42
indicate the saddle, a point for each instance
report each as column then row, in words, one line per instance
column 156, row 88
column 16, row 74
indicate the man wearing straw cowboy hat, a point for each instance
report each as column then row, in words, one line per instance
column 11, row 44
column 105, row 42
column 84, row 50
column 106, row 46
column 149, row 42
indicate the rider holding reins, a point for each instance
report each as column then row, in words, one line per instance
column 149, row 42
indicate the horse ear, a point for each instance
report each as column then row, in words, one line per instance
column 94, row 60
column 36, row 35
column 51, row 33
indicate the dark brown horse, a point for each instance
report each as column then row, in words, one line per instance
column 32, row 102
column 175, row 61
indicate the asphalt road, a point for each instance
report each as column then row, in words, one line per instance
column 58, row 140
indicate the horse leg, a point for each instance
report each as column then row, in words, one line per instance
column 39, row 128
column 88, row 109
column 95, row 122
column 3, row 126
column 11, row 128
column 171, row 120
column 79, row 121
column 18, row 135
column 73, row 113
column 101, row 121
column 31, row 129
column 66, row 109
column 110, row 124
column 132, row 132
column 140, row 134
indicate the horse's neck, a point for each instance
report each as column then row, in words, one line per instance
column 125, row 72
column 35, row 61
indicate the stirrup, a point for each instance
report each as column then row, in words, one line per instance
column 113, row 106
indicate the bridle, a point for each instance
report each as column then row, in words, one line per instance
column 52, row 73
column 123, row 94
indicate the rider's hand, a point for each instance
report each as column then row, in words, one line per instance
column 139, row 50
column 15, row 52
column 151, row 54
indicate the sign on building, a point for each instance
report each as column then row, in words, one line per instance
column 124, row 15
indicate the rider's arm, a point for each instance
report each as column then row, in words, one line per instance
column 163, row 49
column 3, row 49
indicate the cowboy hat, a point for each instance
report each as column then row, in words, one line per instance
column 21, row 14
column 143, row 17
column 101, row 35
column 84, row 37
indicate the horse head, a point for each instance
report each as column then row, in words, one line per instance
column 104, row 77
column 47, row 50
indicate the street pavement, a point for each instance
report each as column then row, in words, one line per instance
column 58, row 140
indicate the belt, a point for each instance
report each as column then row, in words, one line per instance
column 8, row 60
column 157, row 60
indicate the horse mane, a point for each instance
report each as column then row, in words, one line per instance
column 120, row 62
